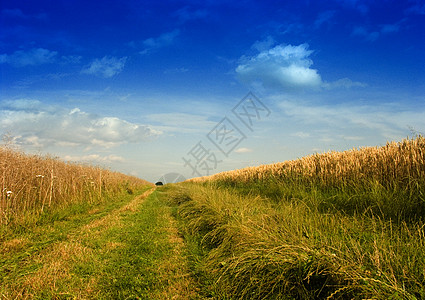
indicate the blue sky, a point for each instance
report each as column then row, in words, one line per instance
column 143, row 87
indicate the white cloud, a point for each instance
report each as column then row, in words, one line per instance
column 21, row 105
column 387, row 120
column 95, row 158
column 282, row 67
column 42, row 126
column 285, row 67
column 243, row 150
column 263, row 45
column 106, row 67
column 163, row 40
column 32, row 57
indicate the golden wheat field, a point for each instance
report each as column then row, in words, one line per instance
column 32, row 183
column 396, row 163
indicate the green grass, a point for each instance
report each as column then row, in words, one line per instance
column 122, row 249
column 397, row 203
column 247, row 246
column 291, row 236
column 130, row 270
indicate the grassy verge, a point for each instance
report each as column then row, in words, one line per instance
column 245, row 246
column 125, row 249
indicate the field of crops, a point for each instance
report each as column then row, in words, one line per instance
column 394, row 163
column 338, row 225
column 30, row 184
column 389, row 179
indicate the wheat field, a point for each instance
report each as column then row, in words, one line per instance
column 396, row 162
column 34, row 183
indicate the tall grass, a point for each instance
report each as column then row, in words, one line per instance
column 255, row 248
column 338, row 225
column 30, row 184
column 388, row 180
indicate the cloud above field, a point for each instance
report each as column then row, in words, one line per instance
column 281, row 66
column 285, row 67
column 243, row 150
column 95, row 158
column 106, row 67
column 389, row 120
column 36, row 125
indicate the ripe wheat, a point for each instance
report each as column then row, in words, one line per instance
column 32, row 183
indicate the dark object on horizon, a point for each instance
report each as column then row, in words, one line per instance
column 171, row 178
column 158, row 183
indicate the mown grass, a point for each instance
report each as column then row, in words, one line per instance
column 35, row 257
column 125, row 249
column 306, row 236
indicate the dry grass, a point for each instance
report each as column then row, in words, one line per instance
column 175, row 275
column 176, row 280
column 338, row 225
column 54, row 269
column 113, row 218
column 257, row 249
column 395, row 163
column 56, row 264
column 15, row 244
column 31, row 184
column 388, row 181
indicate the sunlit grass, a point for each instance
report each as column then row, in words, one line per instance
column 254, row 248
column 329, row 226
column 127, row 249
column 32, row 184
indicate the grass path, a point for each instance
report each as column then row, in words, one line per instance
column 128, row 249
